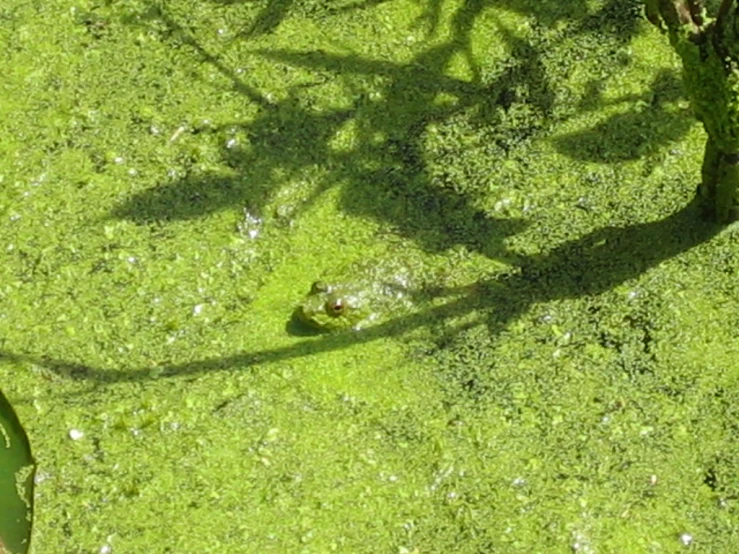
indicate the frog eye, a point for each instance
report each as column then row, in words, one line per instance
column 318, row 287
column 335, row 307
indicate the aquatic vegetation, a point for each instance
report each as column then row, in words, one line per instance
column 174, row 176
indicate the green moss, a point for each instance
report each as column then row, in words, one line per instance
column 712, row 93
column 175, row 176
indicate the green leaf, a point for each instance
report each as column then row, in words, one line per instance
column 16, row 482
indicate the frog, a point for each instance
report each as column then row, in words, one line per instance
column 354, row 303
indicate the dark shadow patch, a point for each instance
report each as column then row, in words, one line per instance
column 268, row 19
column 388, row 180
column 296, row 327
column 631, row 135
column 583, row 267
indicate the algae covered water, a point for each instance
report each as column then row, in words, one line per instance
column 174, row 177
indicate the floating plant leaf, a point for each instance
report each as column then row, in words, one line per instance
column 16, row 482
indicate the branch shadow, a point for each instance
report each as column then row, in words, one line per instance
column 547, row 12
column 630, row 135
column 268, row 19
column 276, row 11
column 292, row 136
column 587, row 266
column 385, row 175
column 602, row 259
column 385, row 179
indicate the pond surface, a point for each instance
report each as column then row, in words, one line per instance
column 173, row 179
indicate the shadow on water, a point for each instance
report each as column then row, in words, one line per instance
column 628, row 136
column 268, row 19
column 547, row 12
column 385, row 179
column 294, row 137
column 385, row 174
column 275, row 12
column 587, row 266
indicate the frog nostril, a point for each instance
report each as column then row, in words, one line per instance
column 318, row 287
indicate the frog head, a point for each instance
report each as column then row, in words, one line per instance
column 331, row 307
